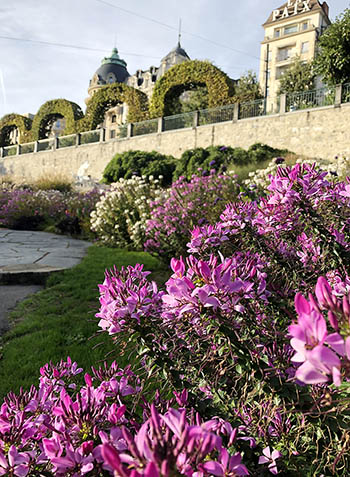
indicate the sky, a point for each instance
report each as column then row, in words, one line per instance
column 226, row 32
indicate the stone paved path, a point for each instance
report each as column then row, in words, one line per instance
column 27, row 258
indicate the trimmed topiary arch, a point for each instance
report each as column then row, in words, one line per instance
column 15, row 121
column 188, row 75
column 109, row 96
column 51, row 110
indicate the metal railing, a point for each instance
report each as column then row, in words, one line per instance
column 67, row 141
column 217, row 115
column 46, row 144
column 252, row 109
column 27, row 148
column 345, row 93
column 145, row 127
column 89, row 137
column 179, row 121
column 10, row 151
column 310, row 99
column 280, row 104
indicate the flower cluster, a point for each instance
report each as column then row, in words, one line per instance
column 122, row 211
column 337, row 169
column 25, row 208
column 63, row 428
column 325, row 356
column 186, row 205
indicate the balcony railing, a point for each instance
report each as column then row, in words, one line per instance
column 232, row 112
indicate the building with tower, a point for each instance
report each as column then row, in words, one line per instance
column 113, row 69
column 291, row 31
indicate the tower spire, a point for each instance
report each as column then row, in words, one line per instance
column 179, row 39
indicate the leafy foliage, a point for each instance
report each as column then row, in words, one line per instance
column 247, row 88
column 333, row 60
column 299, row 77
column 140, row 163
column 11, row 121
column 109, row 96
column 221, row 157
column 52, row 110
column 187, row 76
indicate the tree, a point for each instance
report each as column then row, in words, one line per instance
column 247, row 88
column 299, row 77
column 333, row 60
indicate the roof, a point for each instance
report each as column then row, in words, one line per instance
column 177, row 51
column 112, row 65
column 314, row 6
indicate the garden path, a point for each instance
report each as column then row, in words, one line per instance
column 27, row 258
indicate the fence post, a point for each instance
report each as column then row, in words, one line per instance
column 130, row 130
column 77, row 139
column 36, row 146
column 102, row 134
column 283, row 103
column 235, row 112
column 55, row 143
column 19, row 149
column 338, row 95
column 195, row 119
column 160, row 125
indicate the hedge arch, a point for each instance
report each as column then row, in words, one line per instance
column 186, row 75
column 11, row 121
column 56, row 108
column 109, row 96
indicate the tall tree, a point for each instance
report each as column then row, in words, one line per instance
column 247, row 88
column 299, row 77
column 333, row 60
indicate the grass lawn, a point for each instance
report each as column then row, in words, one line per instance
column 59, row 321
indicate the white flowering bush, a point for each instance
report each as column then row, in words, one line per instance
column 120, row 216
column 338, row 169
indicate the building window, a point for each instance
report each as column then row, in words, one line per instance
column 112, row 134
column 114, row 118
column 284, row 53
column 305, row 47
column 290, row 29
column 305, row 26
column 277, row 33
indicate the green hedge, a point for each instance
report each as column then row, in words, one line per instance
column 52, row 110
column 11, row 121
column 189, row 75
column 140, row 163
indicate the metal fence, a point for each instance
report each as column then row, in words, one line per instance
column 67, row 141
column 46, row 144
column 179, row 121
column 89, row 137
column 145, row 127
column 217, row 115
column 345, row 93
column 28, row 148
column 252, row 109
column 9, row 151
column 310, row 99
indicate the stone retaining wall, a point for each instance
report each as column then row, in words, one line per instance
column 322, row 132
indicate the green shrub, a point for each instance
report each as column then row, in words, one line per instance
column 212, row 157
column 139, row 163
column 221, row 157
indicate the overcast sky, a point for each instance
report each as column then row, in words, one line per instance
column 32, row 73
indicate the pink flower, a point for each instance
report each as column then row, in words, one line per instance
column 227, row 466
column 270, row 458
